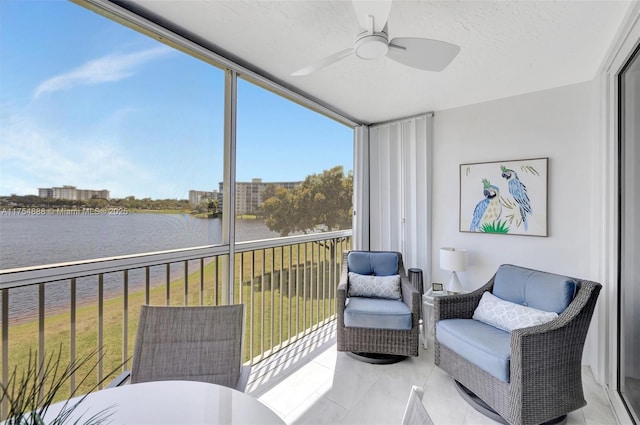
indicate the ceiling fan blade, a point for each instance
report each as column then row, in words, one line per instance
column 323, row 62
column 422, row 53
column 379, row 9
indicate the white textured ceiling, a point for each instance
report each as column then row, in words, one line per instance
column 507, row 47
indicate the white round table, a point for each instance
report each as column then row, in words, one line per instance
column 171, row 402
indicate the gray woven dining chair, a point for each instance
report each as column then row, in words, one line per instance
column 415, row 412
column 199, row 343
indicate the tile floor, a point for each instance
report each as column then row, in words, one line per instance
column 311, row 383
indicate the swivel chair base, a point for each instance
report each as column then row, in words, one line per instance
column 484, row 408
column 376, row 358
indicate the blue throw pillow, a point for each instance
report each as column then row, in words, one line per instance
column 373, row 263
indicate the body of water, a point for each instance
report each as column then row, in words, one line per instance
column 32, row 240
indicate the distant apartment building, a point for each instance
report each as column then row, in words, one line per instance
column 197, row 196
column 249, row 194
column 72, row 193
column 45, row 193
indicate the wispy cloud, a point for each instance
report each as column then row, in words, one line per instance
column 32, row 157
column 105, row 69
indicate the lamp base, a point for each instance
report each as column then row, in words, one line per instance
column 453, row 286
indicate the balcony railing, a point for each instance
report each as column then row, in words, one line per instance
column 287, row 284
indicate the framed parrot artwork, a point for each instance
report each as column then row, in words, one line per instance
column 505, row 197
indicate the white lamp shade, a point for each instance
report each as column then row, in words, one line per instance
column 453, row 259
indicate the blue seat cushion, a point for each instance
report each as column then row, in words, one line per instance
column 373, row 263
column 377, row 313
column 532, row 288
column 483, row 345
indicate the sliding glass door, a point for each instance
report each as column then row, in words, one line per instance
column 629, row 277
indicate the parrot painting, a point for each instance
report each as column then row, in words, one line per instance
column 518, row 190
column 489, row 209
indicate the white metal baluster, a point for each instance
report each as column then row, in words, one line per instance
column 168, row 287
column 125, row 318
column 147, row 284
column 100, row 325
column 273, row 299
column 202, row 281
column 186, row 282
column 304, row 290
column 252, row 327
column 4, row 406
column 41, row 355
column 72, row 335
column 280, row 291
column 290, row 274
column 262, row 304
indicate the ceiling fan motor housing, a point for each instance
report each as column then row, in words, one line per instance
column 371, row 46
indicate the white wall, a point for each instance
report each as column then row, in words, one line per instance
column 561, row 124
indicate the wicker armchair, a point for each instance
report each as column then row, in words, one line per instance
column 372, row 340
column 545, row 376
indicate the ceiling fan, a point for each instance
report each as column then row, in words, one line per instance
column 373, row 42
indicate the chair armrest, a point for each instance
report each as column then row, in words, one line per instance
column 341, row 291
column 411, row 297
column 547, row 359
column 121, row 379
column 460, row 306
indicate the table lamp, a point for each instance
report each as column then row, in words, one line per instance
column 454, row 260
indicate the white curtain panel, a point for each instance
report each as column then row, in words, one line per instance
column 400, row 155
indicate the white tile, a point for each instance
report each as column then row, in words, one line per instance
column 473, row 417
column 444, row 404
column 380, row 406
column 352, row 379
column 598, row 410
column 285, row 397
column 576, row 418
column 315, row 384
column 317, row 410
column 328, row 357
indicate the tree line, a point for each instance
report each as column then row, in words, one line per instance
column 130, row 202
column 322, row 202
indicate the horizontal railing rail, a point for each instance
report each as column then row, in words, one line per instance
column 11, row 278
column 287, row 284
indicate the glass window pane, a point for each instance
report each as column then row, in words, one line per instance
column 111, row 141
column 630, row 236
column 294, row 168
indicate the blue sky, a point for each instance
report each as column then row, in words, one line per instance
column 87, row 102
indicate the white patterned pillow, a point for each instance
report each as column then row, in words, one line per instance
column 508, row 316
column 374, row 286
